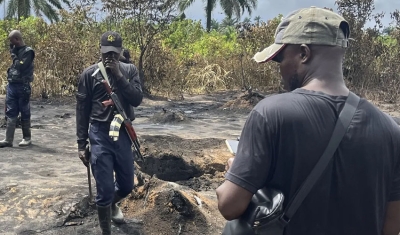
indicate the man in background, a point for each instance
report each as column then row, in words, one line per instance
column 125, row 56
column 19, row 77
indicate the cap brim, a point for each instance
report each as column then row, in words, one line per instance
column 106, row 49
column 268, row 53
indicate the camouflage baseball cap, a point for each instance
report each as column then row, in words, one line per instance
column 312, row 25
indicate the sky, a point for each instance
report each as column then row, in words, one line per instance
column 268, row 9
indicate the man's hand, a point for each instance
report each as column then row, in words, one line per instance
column 83, row 157
column 113, row 65
column 229, row 164
column 13, row 56
column 392, row 225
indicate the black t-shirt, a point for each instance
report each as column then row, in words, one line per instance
column 284, row 137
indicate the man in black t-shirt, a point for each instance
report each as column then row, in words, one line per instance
column 286, row 134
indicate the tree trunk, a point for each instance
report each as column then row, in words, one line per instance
column 141, row 72
column 209, row 10
column 140, row 65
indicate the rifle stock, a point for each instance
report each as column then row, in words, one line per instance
column 108, row 88
column 131, row 131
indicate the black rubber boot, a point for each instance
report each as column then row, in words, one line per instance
column 26, row 133
column 10, row 130
column 104, row 213
column 116, row 213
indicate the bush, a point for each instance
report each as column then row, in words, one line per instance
column 185, row 58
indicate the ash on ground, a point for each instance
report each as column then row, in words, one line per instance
column 169, row 117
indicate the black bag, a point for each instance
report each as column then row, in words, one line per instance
column 265, row 213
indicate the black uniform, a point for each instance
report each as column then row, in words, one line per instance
column 107, row 155
column 19, row 77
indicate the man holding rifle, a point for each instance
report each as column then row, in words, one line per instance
column 97, row 106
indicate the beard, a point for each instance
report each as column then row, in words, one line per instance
column 293, row 83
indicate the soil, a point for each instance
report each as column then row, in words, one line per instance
column 44, row 187
column 245, row 101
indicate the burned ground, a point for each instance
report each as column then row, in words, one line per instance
column 44, row 188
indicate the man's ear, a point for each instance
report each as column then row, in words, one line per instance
column 305, row 53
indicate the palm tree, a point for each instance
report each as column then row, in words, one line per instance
column 22, row 8
column 246, row 20
column 257, row 19
column 229, row 22
column 230, row 7
column 215, row 25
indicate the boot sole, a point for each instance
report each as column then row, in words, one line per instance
column 8, row 146
column 23, row 145
column 118, row 221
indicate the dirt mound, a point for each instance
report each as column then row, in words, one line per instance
column 246, row 101
column 166, row 116
column 175, row 186
column 204, row 182
column 168, row 208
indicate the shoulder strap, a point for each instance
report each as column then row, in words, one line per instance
column 103, row 72
column 342, row 124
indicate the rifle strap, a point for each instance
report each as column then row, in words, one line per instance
column 118, row 119
column 103, row 72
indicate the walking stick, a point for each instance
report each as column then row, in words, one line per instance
column 87, row 155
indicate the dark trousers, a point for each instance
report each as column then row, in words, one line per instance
column 18, row 100
column 108, row 156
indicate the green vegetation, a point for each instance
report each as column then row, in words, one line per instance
column 179, row 55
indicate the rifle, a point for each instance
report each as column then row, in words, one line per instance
column 121, row 117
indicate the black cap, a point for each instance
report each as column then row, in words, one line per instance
column 110, row 41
